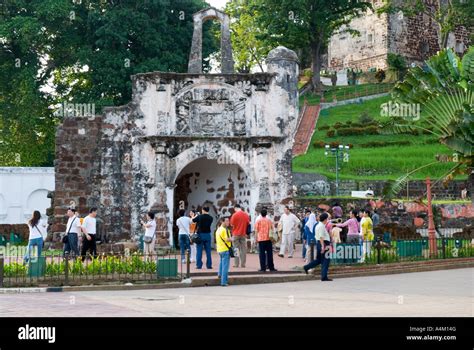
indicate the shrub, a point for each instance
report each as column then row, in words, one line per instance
column 380, row 75
column 323, row 127
column 318, row 144
column 338, row 125
column 331, row 133
column 365, row 118
column 368, row 130
column 384, row 143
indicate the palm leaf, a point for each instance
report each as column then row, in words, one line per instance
column 467, row 71
column 402, row 181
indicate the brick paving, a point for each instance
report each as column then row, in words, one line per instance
column 253, row 264
column 425, row 294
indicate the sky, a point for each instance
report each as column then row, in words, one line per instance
column 217, row 3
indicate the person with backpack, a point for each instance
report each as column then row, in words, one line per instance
column 309, row 228
column 304, row 240
column 323, row 244
column 224, row 247
column 73, row 228
column 37, row 229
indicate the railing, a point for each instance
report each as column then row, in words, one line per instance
column 342, row 93
column 58, row 270
column 382, row 251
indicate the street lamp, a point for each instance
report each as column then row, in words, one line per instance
column 338, row 152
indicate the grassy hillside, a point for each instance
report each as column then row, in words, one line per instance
column 366, row 162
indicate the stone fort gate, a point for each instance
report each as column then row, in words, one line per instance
column 184, row 140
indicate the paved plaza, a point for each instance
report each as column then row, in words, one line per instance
column 445, row 293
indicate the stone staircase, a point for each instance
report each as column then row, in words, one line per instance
column 308, row 118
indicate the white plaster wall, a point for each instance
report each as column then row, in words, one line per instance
column 23, row 190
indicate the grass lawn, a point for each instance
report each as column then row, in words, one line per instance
column 376, row 163
column 346, row 92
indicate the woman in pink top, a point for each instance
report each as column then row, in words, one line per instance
column 352, row 224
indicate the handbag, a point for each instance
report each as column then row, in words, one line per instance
column 65, row 238
column 231, row 249
column 147, row 239
column 194, row 237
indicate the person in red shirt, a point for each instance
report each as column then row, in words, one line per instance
column 263, row 228
column 240, row 222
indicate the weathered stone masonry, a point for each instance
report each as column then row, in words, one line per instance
column 415, row 38
column 182, row 130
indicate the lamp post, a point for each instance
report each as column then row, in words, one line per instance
column 338, row 152
column 431, row 226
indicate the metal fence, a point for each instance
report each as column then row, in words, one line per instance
column 58, row 270
column 382, row 251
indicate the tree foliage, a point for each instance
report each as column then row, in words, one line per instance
column 54, row 51
column 306, row 24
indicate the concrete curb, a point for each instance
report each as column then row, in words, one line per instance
column 255, row 279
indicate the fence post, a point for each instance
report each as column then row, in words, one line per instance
column 312, row 251
column 66, row 268
column 443, row 245
column 2, row 262
column 378, row 246
column 188, row 264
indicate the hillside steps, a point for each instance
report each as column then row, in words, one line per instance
column 305, row 130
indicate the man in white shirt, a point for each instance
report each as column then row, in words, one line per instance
column 89, row 227
column 323, row 244
column 289, row 223
column 73, row 228
column 184, row 224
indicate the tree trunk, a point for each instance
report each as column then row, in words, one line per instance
column 316, row 66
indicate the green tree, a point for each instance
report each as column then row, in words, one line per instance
column 54, row 51
column 306, row 23
column 249, row 48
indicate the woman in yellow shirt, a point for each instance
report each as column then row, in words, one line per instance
column 223, row 245
column 367, row 232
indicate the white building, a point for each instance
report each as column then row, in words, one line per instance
column 23, row 190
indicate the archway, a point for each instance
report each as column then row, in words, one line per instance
column 206, row 182
column 195, row 56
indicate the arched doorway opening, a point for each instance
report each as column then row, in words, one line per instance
column 205, row 182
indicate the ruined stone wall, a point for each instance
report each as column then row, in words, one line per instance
column 369, row 50
column 318, row 185
column 415, row 38
column 77, row 168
